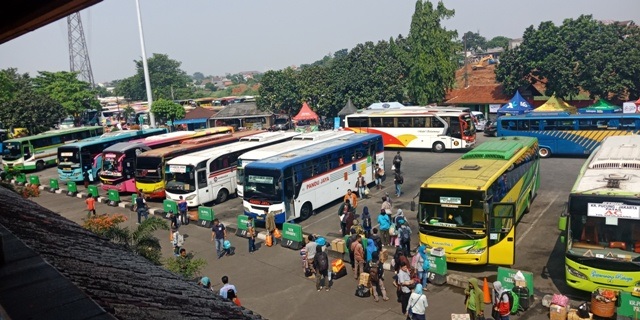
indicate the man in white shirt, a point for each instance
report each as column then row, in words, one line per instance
column 225, row 288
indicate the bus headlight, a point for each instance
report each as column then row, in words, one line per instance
column 576, row 273
column 473, row 250
column 277, row 211
column 247, row 209
column 191, row 197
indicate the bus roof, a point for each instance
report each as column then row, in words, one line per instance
column 408, row 111
column 113, row 136
column 52, row 133
column 122, row 147
column 307, row 153
column 247, row 142
column 195, row 144
column 297, row 142
column 612, row 169
column 478, row 168
column 566, row 115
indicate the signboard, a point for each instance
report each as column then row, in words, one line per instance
column 629, row 107
column 292, row 237
column 205, row 216
column 451, row 200
column 66, row 154
column 177, row 169
column 505, row 276
column 170, row 205
column 493, row 108
column 629, row 305
column 260, row 179
column 242, row 226
column 613, row 209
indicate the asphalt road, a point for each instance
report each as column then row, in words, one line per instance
column 271, row 282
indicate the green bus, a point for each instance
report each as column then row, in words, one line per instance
column 601, row 225
column 37, row 151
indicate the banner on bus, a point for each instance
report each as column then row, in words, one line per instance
column 629, row 107
column 613, row 209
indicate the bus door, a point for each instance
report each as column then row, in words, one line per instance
column 289, row 195
column 202, row 186
column 502, row 236
column 26, row 151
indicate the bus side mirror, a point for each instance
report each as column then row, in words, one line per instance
column 413, row 205
column 485, row 207
column 562, row 223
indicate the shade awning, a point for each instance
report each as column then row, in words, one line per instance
column 190, row 121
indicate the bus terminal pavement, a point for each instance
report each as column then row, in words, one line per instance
column 271, row 281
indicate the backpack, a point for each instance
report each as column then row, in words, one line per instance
column 373, row 272
column 514, row 301
column 400, row 179
column 367, row 267
column 405, row 234
column 414, row 261
column 366, row 223
column 322, row 261
column 362, row 291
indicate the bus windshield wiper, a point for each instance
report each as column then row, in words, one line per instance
column 463, row 232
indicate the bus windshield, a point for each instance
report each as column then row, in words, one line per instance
column 110, row 167
column 149, row 169
column 180, row 179
column 13, row 151
column 68, row 156
column 262, row 184
column 451, row 208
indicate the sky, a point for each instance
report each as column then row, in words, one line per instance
column 227, row 37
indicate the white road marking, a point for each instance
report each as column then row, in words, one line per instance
column 524, row 234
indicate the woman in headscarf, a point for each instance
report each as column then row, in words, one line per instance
column 474, row 299
column 371, row 248
column 398, row 221
column 366, row 222
column 417, row 306
column 423, row 265
column 500, row 301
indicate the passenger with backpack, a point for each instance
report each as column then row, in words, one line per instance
column 398, row 221
column 321, row 265
column 398, row 180
column 371, row 249
column 405, row 239
column 501, row 302
column 366, row 222
column 376, row 273
column 178, row 241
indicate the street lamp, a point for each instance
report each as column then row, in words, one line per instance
column 147, row 82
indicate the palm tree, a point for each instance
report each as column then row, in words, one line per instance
column 141, row 240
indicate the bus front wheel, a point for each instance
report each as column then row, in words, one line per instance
column 223, row 194
column 305, row 211
column 40, row 165
column 438, row 147
column 544, row 152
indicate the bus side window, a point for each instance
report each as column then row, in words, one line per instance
column 613, row 124
column 388, row 122
column 376, row 122
column 629, row 124
column 523, row 125
column 202, row 179
column 419, row 122
column 587, row 124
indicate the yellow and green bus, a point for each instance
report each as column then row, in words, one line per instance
column 471, row 207
column 601, row 226
column 37, row 151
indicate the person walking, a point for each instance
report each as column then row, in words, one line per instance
column 350, row 242
column 226, row 286
column 398, row 180
column 358, row 255
column 141, row 206
column 270, row 225
column 361, row 184
column 385, row 223
column 371, row 249
column 344, row 209
column 353, row 199
column 398, row 221
column 91, row 206
column 376, row 239
column 397, row 162
column 386, row 205
column 349, row 220
column 379, row 173
column 182, row 209
column 251, row 234
column 321, row 265
column 403, row 282
column 473, row 300
column 404, row 234
column 423, row 265
column 366, row 222
column 310, row 249
column 417, row 304
column 86, row 178
column 501, row 301
column 376, row 273
column 219, row 234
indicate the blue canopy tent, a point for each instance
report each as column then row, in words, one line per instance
column 517, row 105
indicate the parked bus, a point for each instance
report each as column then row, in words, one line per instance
column 303, row 140
column 601, row 226
column 209, row 174
column 565, row 134
column 122, row 156
column 472, row 207
column 85, row 156
column 294, row 184
column 417, row 128
column 37, row 151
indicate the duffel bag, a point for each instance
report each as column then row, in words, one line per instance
column 341, row 273
column 336, row 265
column 363, row 292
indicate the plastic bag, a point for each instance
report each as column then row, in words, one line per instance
column 560, row 300
column 519, row 276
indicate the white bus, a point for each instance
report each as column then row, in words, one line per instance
column 417, row 127
column 294, row 184
column 303, row 140
column 209, row 175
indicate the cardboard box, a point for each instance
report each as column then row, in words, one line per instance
column 384, row 255
column 521, row 283
column 364, row 279
column 573, row 315
column 334, row 244
column 340, row 245
column 557, row 312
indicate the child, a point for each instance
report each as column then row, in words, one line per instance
column 91, row 206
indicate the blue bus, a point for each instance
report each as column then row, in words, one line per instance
column 294, row 184
column 74, row 159
column 565, row 134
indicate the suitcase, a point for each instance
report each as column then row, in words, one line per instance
column 336, row 265
column 341, row 273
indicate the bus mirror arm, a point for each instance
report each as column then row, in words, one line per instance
column 413, row 201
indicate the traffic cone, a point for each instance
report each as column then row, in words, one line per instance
column 485, row 290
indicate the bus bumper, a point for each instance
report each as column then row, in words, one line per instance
column 70, row 176
column 589, row 279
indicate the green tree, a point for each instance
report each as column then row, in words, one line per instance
column 474, row 41
column 198, row 76
column 168, row 110
column 210, row 86
column 21, row 105
column 432, row 55
column 141, row 239
column 188, row 266
column 498, row 42
column 127, row 112
column 168, row 81
column 74, row 95
column 279, row 92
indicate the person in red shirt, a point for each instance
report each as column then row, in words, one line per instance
column 91, row 206
column 501, row 301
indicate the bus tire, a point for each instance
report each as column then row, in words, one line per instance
column 223, row 195
column 40, row 165
column 306, row 211
column 438, row 147
column 544, row 152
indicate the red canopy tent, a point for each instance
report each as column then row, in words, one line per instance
column 306, row 113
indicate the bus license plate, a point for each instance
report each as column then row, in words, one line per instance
column 67, row 169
